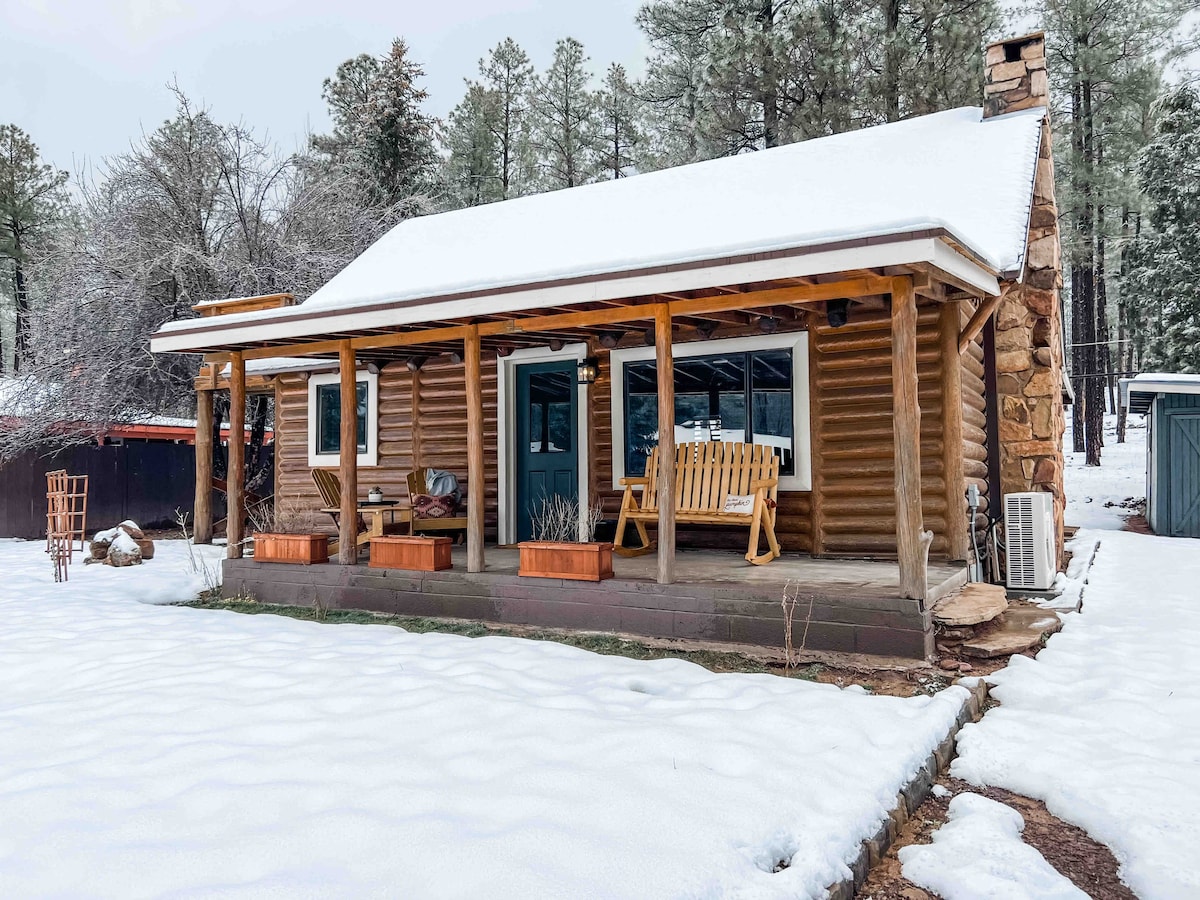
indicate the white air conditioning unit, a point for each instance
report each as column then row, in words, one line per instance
column 1029, row 539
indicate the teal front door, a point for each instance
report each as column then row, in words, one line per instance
column 547, row 437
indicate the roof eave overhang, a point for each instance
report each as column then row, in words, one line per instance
column 1138, row 394
column 933, row 247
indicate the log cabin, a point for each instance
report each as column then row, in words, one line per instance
column 879, row 308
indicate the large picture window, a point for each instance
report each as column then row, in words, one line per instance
column 325, row 419
column 751, row 390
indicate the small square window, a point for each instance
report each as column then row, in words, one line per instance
column 325, row 419
column 329, row 418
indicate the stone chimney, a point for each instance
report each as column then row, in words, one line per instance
column 1027, row 329
column 1015, row 75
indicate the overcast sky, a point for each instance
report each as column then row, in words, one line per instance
column 84, row 77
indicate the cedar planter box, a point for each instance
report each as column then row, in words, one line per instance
column 420, row 554
column 575, row 562
column 304, row 549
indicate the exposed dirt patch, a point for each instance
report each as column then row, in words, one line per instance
column 1090, row 865
column 1137, row 522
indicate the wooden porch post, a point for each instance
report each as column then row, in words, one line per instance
column 475, row 474
column 236, row 476
column 912, row 540
column 665, row 364
column 348, row 457
column 957, row 536
column 202, row 511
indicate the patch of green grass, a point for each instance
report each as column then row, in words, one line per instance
column 607, row 645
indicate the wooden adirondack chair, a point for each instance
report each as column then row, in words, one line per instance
column 329, row 486
column 416, row 486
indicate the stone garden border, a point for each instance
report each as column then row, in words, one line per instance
column 911, row 796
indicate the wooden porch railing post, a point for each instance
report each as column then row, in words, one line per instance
column 665, row 365
column 348, row 458
column 957, row 536
column 236, row 476
column 202, row 510
column 475, row 473
column 912, row 540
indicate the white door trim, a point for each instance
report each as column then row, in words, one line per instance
column 506, row 475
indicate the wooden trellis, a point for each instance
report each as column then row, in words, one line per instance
column 66, row 518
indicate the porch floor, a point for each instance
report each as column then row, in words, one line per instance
column 718, row 597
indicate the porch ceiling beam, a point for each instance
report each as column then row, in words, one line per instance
column 978, row 319
column 798, row 294
column 539, row 324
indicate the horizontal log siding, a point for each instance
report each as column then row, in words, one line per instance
column 437, row 437
column 975, row 449
column 441, row 427
column 294, row 486
column 853, row 453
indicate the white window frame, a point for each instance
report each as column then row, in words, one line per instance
column 506, row 435
column 796, row 341
column 327, row 460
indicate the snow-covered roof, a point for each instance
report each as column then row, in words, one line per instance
column 952, row 173
column 1138, row 393
column 283, row 364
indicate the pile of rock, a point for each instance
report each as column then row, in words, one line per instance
column 980, row 622
column 124, row 545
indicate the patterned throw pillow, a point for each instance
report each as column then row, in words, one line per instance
column 427, row 507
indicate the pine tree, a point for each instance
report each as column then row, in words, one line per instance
column 346, row 95
column 932, row 54
column 31, row 201
column 674, row 90
column 618, row 133
column 563, row 119
column 1165, row 262
column 472, row 171
column 507, row 75
column 397, row 135
column 727, row 76
column 1103, row 59
column 381, row 135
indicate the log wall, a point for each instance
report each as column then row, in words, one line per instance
column 850, row 512
column 975, row 448
column 436, row 436
column 851, row 399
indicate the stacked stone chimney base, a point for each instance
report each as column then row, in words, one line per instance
column 1028, row 323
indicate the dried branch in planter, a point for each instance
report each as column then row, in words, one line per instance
column 562, row 519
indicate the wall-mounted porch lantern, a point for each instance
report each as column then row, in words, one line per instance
column 589, row 370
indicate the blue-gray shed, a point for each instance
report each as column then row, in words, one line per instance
column 1172, row 449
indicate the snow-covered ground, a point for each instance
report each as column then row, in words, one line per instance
column 1102, row 496
column 150, row 751
column 979, row 855
column 1104, row 726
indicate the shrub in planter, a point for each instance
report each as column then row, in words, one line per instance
column 562, row 545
